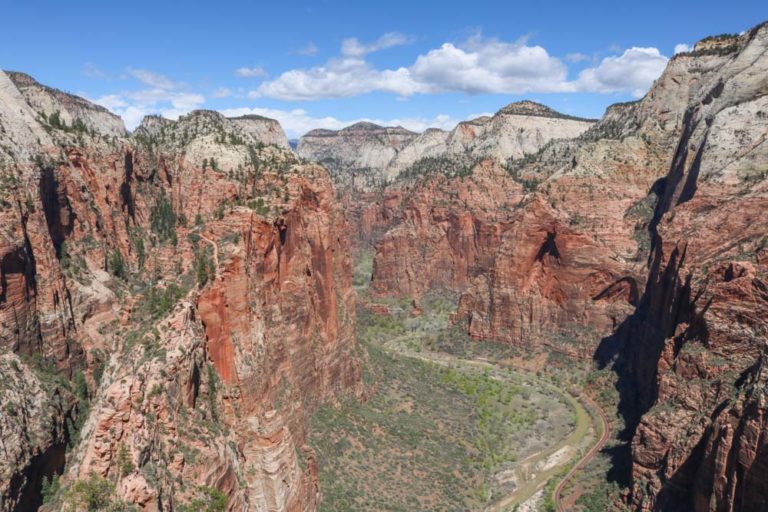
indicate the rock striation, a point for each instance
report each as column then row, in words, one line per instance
column 691, row 358
column 365, row 155
column 173, row 305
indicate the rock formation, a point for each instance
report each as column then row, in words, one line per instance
column 691, row 359
column 648, row 230
column 365, row 155
column 357, row 156
column 172, row 305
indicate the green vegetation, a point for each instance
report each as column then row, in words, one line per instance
column 448, row 166
column 212, row 500
column 116, row 264
column 138, row 245
column 513, row 168
column 158, row 301
column 56, row 122
column 499, row 415
column 50, row 488
column 163, row 219
column 432, row 436
column 124, row 462
column 95, row 494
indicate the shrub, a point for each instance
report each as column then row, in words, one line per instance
column 163, row 219
column 116, row 264
column 124, row 462
column 213, row 500
column 95, row 494
column 50, row 487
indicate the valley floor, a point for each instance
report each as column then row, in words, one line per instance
column 454, row 424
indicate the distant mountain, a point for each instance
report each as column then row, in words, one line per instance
column 365, row 154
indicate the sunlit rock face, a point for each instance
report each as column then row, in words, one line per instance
column 173, row 303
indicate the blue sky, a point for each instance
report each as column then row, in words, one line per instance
column 330, row 63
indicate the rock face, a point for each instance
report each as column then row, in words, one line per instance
column 692, row 357
column 172, row 304
column 446, row 230
column 357, row 155
column 71, row 111
column 648, row 230
column 365, row 155
column 263, row 129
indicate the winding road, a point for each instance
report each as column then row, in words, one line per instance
column 538, row 478
column 606, row 434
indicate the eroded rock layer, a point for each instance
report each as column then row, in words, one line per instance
column 691, row 359
column 173, row 304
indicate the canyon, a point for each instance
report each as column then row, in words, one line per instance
column 177, row 302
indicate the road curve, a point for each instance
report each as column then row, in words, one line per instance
column 506, row 501
column 587, row 457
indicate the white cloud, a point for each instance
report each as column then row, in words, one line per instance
column 489, row 66
column 256, row 71
column 338, row 78
column 111, row 101
column 351, row 47
column 682, row 47
column 92, row 71
column 309, row 50
column 151, row 79
column 477, row 66
column 634, row 71
column 163, row 96
column 297, row 122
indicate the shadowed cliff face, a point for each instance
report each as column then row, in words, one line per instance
column 647, row 231
column 176, row 303
column 690, row 359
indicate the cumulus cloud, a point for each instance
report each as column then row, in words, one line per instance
column 297, row 122
column 682, row 47
column 338, row 78
column 633, row 71
column 478, row 65
column 576, row 57
column 489, row 66
column 256, row 71
column 159, row 95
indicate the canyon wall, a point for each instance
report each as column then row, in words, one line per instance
column 365, row 156
column 647, row 230
column 553, row 250
column 691, row 358
column 173, row 304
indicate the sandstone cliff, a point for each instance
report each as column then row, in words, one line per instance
column 365, row 155
column 691, row 359
column 357, row 156
column 650, row 223
column 172, row 305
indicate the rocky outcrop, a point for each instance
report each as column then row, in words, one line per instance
column 357, row 156
column 445, row 231
column 263, row 129
column 365, row 155
column 691, row 358
column 187, row 293
column 63, row 110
